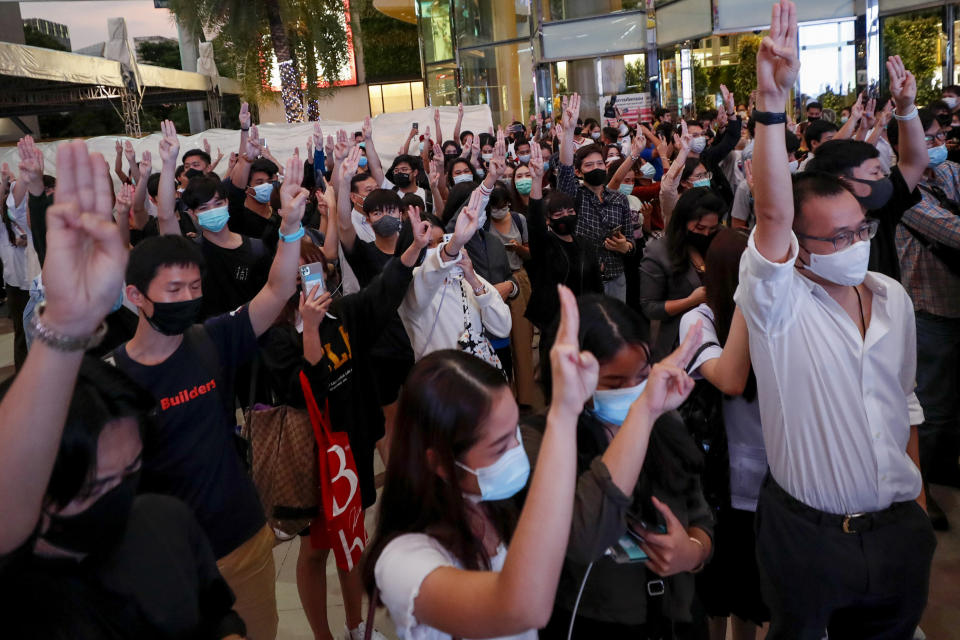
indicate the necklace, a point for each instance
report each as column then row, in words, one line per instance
column 863, row 322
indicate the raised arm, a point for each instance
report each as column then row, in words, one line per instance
column 885, row 117
column 670, row 182
column 82, row 275
column 121, row 211
column 331, row 237
column 571, row 111
column 912, row 147
column 131, row 157
column 521, row 596
column 435, row 177
column 282, row 281
column 373, row 159
column 436, row 126
column 140, row 215
column 405, row 147
column 777, row 66
column 31, row 171
column 240, row 176
column 167, row 190
column 118, row 163
column 456, row 129
column 347, row 169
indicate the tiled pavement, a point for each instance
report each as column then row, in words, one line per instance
column 941, row 621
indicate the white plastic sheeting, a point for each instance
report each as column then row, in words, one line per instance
column 390, row 130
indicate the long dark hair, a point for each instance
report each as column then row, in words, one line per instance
column 606, row 326
column 443, row 403
column 721, row 279
column 689, row 166
column 692, row 205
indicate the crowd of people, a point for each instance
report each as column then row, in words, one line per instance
column 641, row 380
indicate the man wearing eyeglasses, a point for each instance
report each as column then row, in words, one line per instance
column 843, row 546
column 928, row 240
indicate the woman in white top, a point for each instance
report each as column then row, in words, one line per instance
column 20, row 262
column 730, row 585
column 448, row 306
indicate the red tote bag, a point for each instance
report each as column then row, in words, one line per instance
column 339, row 525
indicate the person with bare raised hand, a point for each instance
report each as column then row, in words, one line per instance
column 20, row 263
column 638, row 487
column 141, row 215
column 251, row 191
column 189, row 370
column 81, row 555
column 840, row 503
column 603, row 214
column 39, row 188
column 439, row 559
column 449, row 306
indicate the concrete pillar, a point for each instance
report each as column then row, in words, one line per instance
column 188, row 62
column 582, row 79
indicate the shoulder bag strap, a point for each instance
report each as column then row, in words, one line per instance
column 371, row 612
column 699, row 352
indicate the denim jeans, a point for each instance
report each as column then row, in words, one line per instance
column 616, row 288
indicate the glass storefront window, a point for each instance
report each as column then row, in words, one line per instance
column 918, row 38
column 394, row 97
column 442, row 85
column 485, row 21
column 502, row 77
column 554, row 10
column 828, row 60
column 435, row 30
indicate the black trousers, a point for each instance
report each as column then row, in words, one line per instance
column 870, row 583
column 17, row 299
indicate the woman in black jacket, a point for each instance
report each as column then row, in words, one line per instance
column 634, row 482
column 334, row 353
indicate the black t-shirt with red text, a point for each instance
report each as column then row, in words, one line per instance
column 192, row 454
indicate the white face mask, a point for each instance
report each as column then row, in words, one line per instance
column 847, row 267
column 648, row 171
column 698, row 144
column 794, row 165
column 951, row 101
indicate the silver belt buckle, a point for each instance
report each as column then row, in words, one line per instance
column 655, row 588
column 848, row 518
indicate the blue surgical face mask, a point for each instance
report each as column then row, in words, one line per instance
column 701, row 183
column 262, row 192
column 648, row 171
column 505, row 477
column 214, row 219
column 463, row 177
column 612, row 405
column 937, row 155
column 362, row 162
column 524, row 157
column 546, row 165
column 626, row 189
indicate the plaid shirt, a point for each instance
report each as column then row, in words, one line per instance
column 597, row 218
column 931, row 285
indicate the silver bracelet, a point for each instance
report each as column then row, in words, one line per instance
column 60, row 342
column 910, row 116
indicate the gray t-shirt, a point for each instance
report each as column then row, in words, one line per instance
column 518, row 235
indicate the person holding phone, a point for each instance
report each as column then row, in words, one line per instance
column 331, row 340
column 638, row 471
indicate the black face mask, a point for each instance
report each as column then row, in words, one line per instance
column 101, row 526
column 813, row 118
column 173, row 318
column 402, row 180
column 700, row 242
column 450, row 155
column 193, row 173
column 564, row 226
column 880, row 193
column 596, row 177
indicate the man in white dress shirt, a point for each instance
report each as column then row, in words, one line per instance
column 843, row 545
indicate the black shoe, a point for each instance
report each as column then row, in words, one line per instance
column 938, row 519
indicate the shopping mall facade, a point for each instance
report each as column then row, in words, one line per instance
column 518, row 56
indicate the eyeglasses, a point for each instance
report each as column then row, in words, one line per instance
column 702, row 176
column 844, row 239
column 939, row 137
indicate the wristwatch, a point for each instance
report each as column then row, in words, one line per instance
column 769, row 117
column 43, row 333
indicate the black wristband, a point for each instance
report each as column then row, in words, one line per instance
column 769, row 117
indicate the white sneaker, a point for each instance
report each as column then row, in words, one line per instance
column 359, row 632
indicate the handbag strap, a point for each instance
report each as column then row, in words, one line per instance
column 371, row 611
column 319, row 419
column 698, row 353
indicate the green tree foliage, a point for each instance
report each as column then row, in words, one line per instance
column 915, row 38
column 635, row 76
column 745, row 75
column 160, row 54
column 36, row 38
column 837, row 101
column 391, row 50
column 252, row 35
